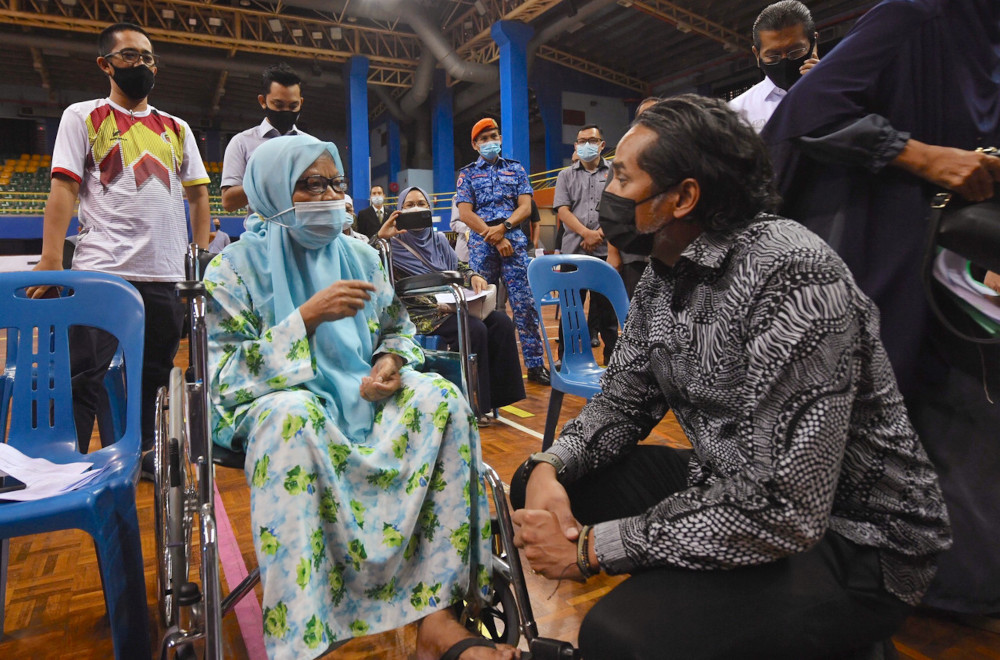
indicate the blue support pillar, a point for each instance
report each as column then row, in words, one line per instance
column 395, row 160
column 549, row 96
column 512, row 38
column 443, row 135
column 358, row 151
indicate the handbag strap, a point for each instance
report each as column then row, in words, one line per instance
column 938, row 204
column 415, row 253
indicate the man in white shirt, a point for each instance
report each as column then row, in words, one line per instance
column 281, row 99
column 130, row 166
column 785, row 45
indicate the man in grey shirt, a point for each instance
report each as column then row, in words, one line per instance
column 281, row 99
column 578, row 190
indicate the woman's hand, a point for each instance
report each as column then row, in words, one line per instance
column 337, row 301
column 545, row 493
column 479, row 284
column 384, row 379
column 388, row 228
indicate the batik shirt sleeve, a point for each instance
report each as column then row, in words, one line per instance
column 395, row 331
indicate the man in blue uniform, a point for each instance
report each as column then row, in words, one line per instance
column 493, row 198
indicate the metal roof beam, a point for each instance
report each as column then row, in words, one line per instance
column 592, row 69
column 688, row 21
column 393, row 55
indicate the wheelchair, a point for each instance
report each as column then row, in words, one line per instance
column 184, row 490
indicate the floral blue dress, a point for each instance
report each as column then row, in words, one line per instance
column 352, row 537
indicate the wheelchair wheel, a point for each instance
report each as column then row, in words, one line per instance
column 173, row 523
column 498, row 620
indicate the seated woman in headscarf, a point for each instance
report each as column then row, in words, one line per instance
column 359, row 467
column 419, row 251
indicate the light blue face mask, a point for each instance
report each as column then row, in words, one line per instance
column 316, row 224
column 587, row 152
column 489, row 150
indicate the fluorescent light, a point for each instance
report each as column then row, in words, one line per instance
column 296, row 32
column 336, row 34
column 275, row 25
column 478, row 4
column 215, row 21
column 317, row 35
column 192, row 22
column 683, row 27
column 119, row 8
column 167, row 13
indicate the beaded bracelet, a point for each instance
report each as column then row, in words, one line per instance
column 583, row 553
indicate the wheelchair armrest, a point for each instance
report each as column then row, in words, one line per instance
column 418, row 284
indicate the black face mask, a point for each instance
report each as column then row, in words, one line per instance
column 785, row 72
column 283, row 120
column 136, row 82
column 617, row 217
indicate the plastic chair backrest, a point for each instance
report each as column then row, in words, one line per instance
column 567, row 275
column 42, row 410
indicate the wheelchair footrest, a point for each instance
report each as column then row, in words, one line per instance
column 545, row 648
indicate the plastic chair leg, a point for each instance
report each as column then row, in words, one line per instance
column 4, row 554
column 119, row 552
column 552, row 418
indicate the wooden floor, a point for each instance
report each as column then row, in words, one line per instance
column 55, row 605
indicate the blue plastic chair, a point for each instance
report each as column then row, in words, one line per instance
column 567, row 275
column 38, row 395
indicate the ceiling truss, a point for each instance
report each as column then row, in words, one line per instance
column 688, row 21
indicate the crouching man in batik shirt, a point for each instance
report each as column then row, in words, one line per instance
column 806, row 519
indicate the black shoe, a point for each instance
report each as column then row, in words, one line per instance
column 539, row 375
column 148, row 470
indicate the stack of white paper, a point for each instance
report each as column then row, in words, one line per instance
column 950, row 270
column 42, row 478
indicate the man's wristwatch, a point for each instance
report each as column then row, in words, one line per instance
column 507, row 225
column 545, row 457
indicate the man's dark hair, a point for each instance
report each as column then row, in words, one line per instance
column 374, row 186
column 107, row 38
column 282, row 74
column 781, row 15
column 702, row 139
column 600, row 133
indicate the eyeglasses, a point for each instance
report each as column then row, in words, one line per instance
column 796, row 54
column 317, row 183
column 133, row 56
column 593, row 141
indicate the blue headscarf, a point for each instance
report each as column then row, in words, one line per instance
column 429, row 244
column 342, row 349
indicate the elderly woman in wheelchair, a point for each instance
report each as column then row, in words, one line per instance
column 359, row 466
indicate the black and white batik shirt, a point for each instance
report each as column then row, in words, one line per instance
column 769, row 355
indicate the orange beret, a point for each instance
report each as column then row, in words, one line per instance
column 483, row 125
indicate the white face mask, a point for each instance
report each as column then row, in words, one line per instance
column 316, row 224
column 377, row 200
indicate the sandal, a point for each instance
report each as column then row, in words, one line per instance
column 459, row 647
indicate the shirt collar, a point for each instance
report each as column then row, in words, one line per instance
column 772, row 91
column 482, row 162
column 265, row 129
column 600, row 166
column 710, row 249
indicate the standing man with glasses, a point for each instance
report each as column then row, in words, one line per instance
column 281, row 100
column 130, row 166
column 578, row 190
column 494, row 198
column 786, row 48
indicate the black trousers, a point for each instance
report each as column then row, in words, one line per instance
column 827, row 602
column 91, row 351
column 493, row 342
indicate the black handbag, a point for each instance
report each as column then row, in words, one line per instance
column 970, row 229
